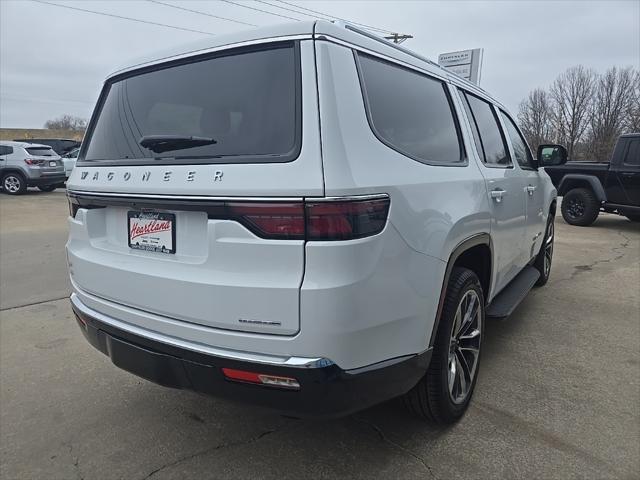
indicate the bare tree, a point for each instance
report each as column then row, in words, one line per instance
column 632, row 115
column 571, row 93
column 534, row 116
column 67, row 122
column 612, row 99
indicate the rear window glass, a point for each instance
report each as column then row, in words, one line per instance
column 41, row 151
column 246, row 101
column 410, row 112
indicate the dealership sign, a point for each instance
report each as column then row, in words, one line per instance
column 466, row 63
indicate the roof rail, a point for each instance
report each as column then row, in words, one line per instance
column 383, row 40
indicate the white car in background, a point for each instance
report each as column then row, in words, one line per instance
column 69, row 160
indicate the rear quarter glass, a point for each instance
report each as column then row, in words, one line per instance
column 242, row 98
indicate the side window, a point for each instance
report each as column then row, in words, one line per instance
column 493, row 145
column 4, row 150
column 633, row 153
column 410, row 112
column 474, row 126
column 520, row 148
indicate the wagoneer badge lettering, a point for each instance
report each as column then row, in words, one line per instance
column 167, row 176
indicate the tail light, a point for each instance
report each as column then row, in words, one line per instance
column 346, row 220
column 312, row 220
column 270, row 220
column 33, row 161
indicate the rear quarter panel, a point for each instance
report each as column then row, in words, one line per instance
column 433, row 209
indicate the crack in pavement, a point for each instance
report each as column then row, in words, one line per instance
column 76, row 460
column 206, row 451
column 618, row 251
column 397, row 446
column 39, row 302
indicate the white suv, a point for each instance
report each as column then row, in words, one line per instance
column 304, row 217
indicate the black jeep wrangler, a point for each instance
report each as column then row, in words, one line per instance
column 589, row 188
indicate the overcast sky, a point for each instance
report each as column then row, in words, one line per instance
column 53, row 60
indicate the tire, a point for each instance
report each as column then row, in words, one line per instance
column 47, row 188
column 14, row 183
column 542, row 262
column 580, row 207
column 634, row 217
column 433, row 399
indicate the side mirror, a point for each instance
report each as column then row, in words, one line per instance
column 549, row 155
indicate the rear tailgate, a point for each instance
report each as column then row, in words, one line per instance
column 218, row 271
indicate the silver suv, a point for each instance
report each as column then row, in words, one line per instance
column 304, row 217
column 25, row 165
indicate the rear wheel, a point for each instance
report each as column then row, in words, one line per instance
column 443, row 394
column 14, row 183
column 47, row 188
column 580, row 207
column 545, row 256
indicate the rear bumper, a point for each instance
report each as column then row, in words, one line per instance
column 325, row 391
column 46, row 180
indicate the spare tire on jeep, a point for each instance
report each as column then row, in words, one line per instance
column 580, row 207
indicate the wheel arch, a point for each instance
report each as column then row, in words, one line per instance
column 572, row 181
column 476, row 254
column 8, row 170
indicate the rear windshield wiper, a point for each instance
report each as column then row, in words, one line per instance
column 166, row 143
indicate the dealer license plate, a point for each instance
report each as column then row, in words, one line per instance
column 152, row 231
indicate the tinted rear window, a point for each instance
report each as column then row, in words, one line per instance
column 410, row 112
column 41, row 151
column 248, row 101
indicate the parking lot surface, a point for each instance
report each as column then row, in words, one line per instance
column 558, row 394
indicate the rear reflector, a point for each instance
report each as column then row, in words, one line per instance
column 261, row 379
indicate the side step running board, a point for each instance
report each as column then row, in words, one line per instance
column 508, row 299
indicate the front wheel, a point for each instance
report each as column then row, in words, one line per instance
column 443, row 394
column 47, row 188
column 545, row 256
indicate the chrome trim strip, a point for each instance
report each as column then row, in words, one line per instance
column 155, row 196
column 328, row 38
column 179, row 197
column 302, row 36
column 296, row 362
column 371, row 196
column 439, row 72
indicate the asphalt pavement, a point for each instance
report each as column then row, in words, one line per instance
column 558, row 394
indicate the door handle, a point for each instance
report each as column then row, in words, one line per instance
column 628, row 174
column 530, row 189
column 497, row 194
